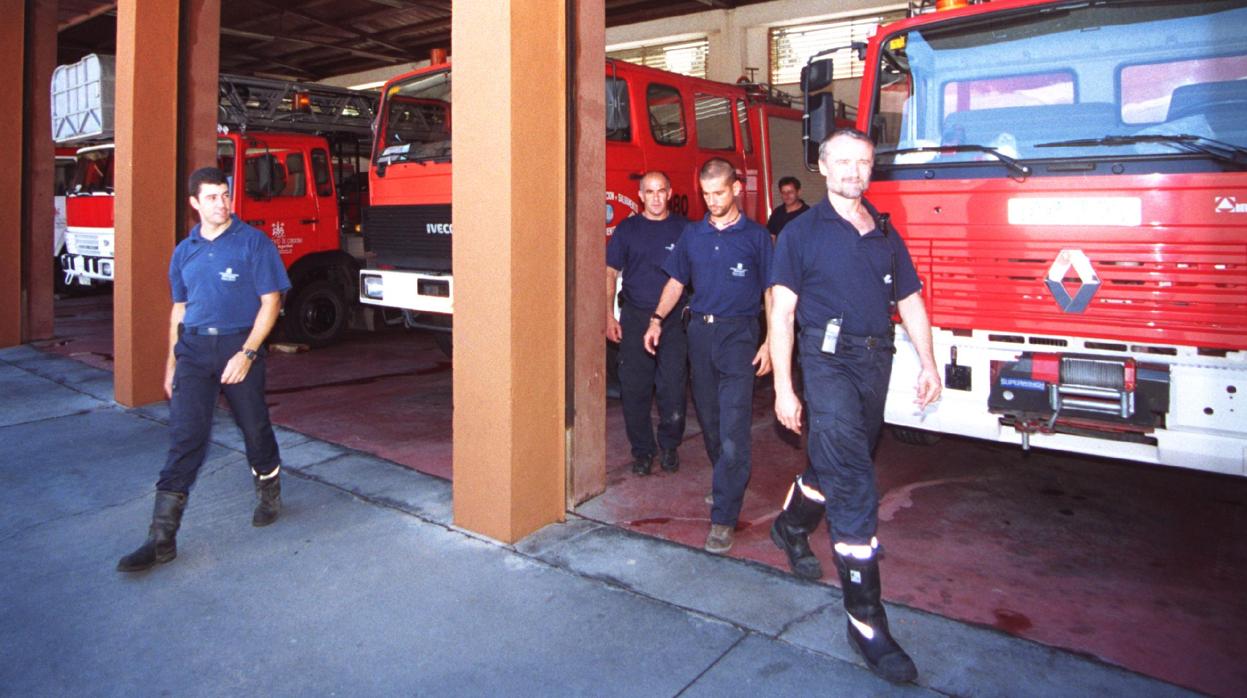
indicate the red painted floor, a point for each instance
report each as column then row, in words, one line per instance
column 1141, row 566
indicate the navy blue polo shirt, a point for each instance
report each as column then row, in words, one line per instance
column 728, row 269
column 837, row 272
column 221, row 281
column 638, row 248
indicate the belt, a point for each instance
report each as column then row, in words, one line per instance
column 710, row 319
column 865, row 341
column 880, row 342
column 214, row 331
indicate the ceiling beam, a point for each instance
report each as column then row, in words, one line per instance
column 345, row 28
column 226, row 31
column 85, row 17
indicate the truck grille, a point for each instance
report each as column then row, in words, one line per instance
column 409, row 237
column 87, row 244
column 1192, row 293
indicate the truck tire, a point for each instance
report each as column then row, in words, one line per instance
column 915, row 437
column 315, row 314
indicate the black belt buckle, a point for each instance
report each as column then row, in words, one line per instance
column 873, row 342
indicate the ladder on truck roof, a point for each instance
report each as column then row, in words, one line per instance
column 259, row 104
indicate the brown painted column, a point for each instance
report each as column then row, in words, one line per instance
column 587, row 296
column 510, row 155
column 199, row 76
column 12, row 74
column 37, row 172
column 146, row 204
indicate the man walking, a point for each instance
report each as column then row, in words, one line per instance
column 638, row 248
column 727, row 259
column 227, row 279
column 839, row 271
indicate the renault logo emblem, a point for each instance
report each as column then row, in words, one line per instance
column 1088, row 281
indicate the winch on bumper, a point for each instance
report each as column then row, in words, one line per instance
column 1088, row 395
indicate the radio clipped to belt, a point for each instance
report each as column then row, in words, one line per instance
column 831, row 336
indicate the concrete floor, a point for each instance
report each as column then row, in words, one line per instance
column 1140, row 566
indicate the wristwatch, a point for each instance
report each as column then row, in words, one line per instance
column 250, row 354
column 657, row 317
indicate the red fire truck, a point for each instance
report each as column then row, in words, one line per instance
column 655, row 120
column 1071, row 179
column 290, row 188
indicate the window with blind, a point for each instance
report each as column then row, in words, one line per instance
column 683, row 57
column 792, row 46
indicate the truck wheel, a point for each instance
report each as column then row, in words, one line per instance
column 915, row 437
column 446, row 342
column 315, row 314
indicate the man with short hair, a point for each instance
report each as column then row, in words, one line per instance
column 227, row 279
column 638, row 247
column 790, row 206
column 839, row 271
column 727, row 259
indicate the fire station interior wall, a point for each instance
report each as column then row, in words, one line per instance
column 509, row 254
column 12, row 48
column 738, row 38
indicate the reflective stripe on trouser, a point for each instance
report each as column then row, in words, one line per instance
column 201, row 360
column 720, row 361
column 642, row 378
column 845, row 394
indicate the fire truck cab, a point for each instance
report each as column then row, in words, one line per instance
column 1071, row 180
column 655, row 120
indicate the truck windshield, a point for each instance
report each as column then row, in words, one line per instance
column 1086, row 80
column 415, row 120
column 95, row 172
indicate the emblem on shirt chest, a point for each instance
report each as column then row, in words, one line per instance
column 739, row 270
column 229, row 275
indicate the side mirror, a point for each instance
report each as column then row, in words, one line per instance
column 819, row 119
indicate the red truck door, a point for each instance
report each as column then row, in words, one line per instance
column 277, row 196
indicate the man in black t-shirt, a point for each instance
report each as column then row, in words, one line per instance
column 637, row 249
column 791, row 206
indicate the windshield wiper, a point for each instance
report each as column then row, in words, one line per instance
column 1013, row 164
column 1227, row 152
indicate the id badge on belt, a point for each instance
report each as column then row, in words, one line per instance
column 831, row 336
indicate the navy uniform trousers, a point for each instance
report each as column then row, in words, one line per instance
column 845, row 394
column 201, row 360
column 643, row 377
column 720, row 355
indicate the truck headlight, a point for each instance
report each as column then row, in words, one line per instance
column 373, row 287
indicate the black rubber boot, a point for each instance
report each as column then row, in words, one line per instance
column 161, row 544
column 642, row 465
column 792, row 528
column 268, row 490
column 868, row 622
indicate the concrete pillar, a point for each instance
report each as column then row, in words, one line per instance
column 510, row 249
column 12, row 73
column 586, row 356
column 37, row 172
column 146, row 205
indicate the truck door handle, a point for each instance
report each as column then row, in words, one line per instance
column 309, row 221
column 636, row 175
column 255, row 223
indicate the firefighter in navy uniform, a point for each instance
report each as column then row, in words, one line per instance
column 727, row 259
column 638, row 248
column 227, row 279
column 838, row 270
